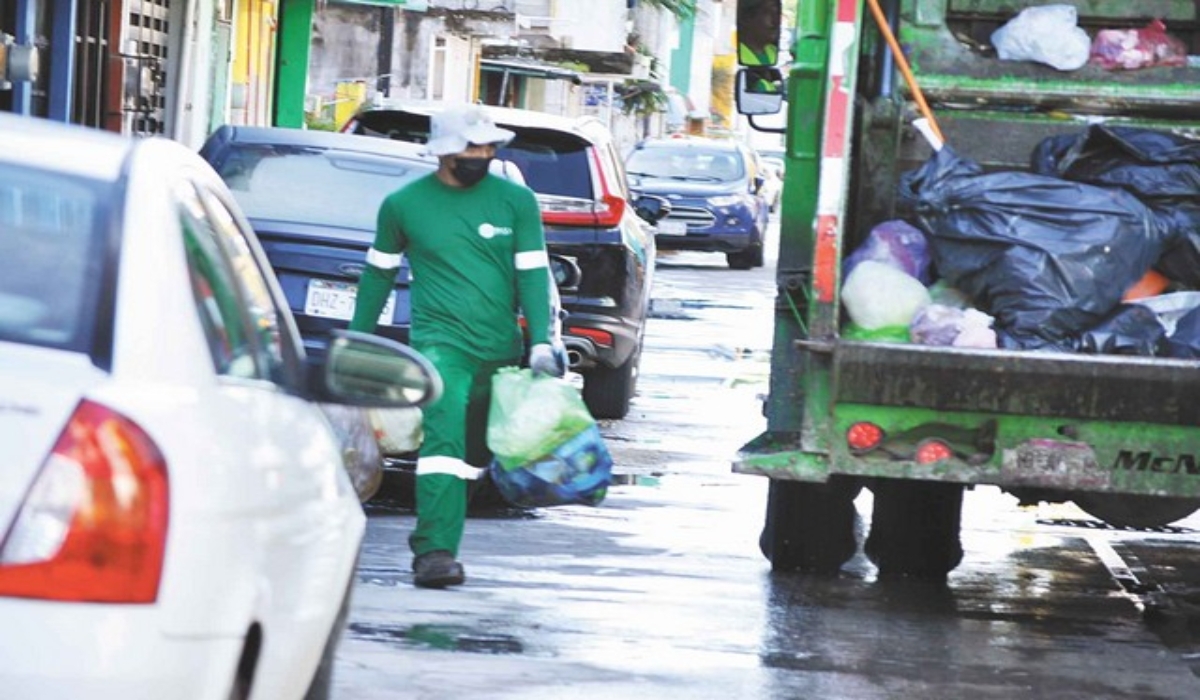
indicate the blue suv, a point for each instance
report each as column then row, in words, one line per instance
column 713, row 189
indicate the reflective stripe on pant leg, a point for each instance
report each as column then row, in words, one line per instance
column 441, row 494
column 447, row 465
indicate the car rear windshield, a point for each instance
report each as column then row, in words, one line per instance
column 52, row 243
column 553, row 163
column 311, row 185
column 687, row 163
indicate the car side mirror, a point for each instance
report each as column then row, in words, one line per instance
column 651, row 209
column 565, row 272
column 759, row 180
column 361, row 369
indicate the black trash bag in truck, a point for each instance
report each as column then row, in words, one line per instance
column 1048, row 258
column 1132, row 329
column 1185, row 341
column 1162, row 169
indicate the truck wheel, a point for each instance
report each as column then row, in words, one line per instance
column 1128, row 510
column 607, row 391
column 809, row 527
column 915, row 528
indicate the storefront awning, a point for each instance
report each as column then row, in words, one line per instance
column 530, row 69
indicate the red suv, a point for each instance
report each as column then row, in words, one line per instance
column 601, row 243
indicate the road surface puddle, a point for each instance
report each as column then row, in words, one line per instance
column 444, row 637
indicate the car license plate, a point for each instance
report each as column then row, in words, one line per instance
column 672, row 228
column 328, row 299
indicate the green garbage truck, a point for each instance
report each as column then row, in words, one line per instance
column 873, row 99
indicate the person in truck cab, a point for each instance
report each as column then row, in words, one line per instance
column 477, row 252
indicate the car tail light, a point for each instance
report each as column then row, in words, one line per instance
column 930, row 451
column 863, row 437
column 608, row 210
column 93, row 526
column 596, row 336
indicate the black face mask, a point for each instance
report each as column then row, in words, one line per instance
column 469, row 171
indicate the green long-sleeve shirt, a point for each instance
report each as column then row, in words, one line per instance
column 477, row 255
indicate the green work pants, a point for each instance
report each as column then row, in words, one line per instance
column 455, row 439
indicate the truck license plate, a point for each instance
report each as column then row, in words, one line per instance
column 672, row 228
column 1053, row 463
column 329, row 299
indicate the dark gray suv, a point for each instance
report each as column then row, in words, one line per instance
column 602, row 248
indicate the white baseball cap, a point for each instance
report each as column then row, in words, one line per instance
column 453, row 129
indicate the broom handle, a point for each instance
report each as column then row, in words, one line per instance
column 902, row 62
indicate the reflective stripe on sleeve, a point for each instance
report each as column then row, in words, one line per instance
column 532, row 260
column 447, row 465
column 384, row 261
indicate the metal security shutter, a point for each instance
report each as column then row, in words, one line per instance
column 146, row 53
column 93, row 49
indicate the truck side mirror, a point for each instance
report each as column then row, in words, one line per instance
column 758, row 32
column 759, row 90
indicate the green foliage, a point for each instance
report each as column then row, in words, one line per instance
column 682, row 9
column 319, row 122
column 642, row 97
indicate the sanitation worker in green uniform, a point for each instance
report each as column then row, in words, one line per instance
column 477, row 253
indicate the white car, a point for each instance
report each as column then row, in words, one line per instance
column 175, row 517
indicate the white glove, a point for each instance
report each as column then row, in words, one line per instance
column 548, row 360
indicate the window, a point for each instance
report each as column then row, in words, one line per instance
column 553, row 163
column 324, row 187
column 265, row 322
column 217, row 299
column 53, row 238
column 237, row 311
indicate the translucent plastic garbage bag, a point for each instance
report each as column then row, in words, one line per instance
column 1131, row 49
column 896, row 243
column 877, row 295
column 577, row 472
column 547, row 448
column 938, row 324
column 1046, row 34
column 360, row 449
column 399, row 430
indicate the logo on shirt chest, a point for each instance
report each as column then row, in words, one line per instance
column 489, row 231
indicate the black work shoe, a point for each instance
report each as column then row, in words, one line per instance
column 437, row 569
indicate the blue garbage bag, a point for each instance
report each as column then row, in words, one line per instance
column 547, row 448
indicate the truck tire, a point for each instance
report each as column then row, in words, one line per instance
column 810, row 527
column 1128, row 510
column 915, row 528
column 607, row 391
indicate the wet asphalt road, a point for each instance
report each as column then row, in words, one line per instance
column 660, row 592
